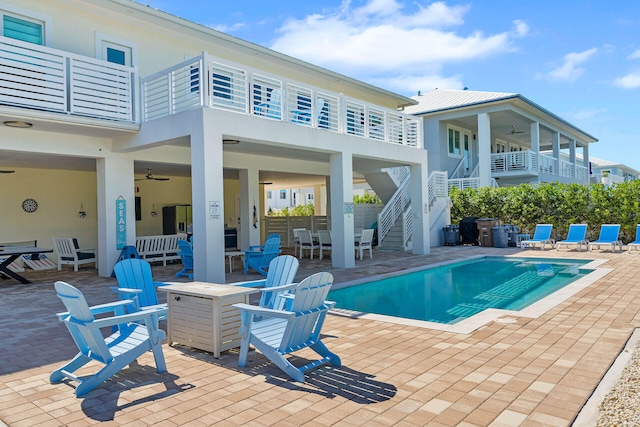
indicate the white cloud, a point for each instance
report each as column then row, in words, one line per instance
column 229, row 28
column 570, row 69
column 634, row 55
column 383, row 39
column 630, row 81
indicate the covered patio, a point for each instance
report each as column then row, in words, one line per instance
column 514, row 371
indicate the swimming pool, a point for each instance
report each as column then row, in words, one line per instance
column 451, row 293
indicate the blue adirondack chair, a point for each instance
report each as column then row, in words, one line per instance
column 608, row 236
column 282, row 271
column 636, row 242
column 186, row 255
column 577, row 235
column 259, row 258
column 541, row 236
column 137, row 333
column 281, row 332
column 135, row 282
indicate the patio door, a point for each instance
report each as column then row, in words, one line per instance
column 466, row 152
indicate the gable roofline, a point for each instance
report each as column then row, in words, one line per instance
column 487, row 98
column 255, row 49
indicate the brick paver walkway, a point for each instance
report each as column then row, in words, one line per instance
column 532, row 372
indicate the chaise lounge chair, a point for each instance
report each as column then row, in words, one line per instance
column 608, row 236
column 577, row 235
column 541, row 236
column 635, row 243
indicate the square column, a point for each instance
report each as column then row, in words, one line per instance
column 250, row 199
column 115, row 179
column 535, row 138
column 207, row 188
column 420, row 209
column 484, row 149
column 341, row 205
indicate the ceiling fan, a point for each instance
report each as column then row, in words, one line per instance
column 150, row 176
column 513, row 131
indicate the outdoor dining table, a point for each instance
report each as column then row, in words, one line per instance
column 13, row 253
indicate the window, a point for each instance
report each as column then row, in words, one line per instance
column 467, row 151
column 115, row 50
column 283, row 194
column 269, row 194
column 30, row 31
column 454, row 141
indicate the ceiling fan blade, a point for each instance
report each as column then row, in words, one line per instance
column 6, row 171
column 160, row 179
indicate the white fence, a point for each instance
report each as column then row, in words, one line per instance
column 41, row 78
column 528, row 162
column 208, row 81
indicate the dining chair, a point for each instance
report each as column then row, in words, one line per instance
column 307, row 243
column 365, row 242
column 324, row 240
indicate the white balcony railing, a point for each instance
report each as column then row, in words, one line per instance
column 528, row 162
column 41, row 78
column 207, row 81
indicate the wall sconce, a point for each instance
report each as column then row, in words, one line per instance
column 154, row 212
column 82, row 213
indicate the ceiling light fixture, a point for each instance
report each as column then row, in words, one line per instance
column 18, row 124
column 230, row 141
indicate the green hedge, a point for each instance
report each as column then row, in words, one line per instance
column 558, row 204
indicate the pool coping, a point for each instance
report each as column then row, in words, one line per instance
column 481, row 319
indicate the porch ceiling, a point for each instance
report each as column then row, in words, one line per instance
column 502, row 124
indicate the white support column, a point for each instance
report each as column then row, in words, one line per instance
column 585, row 156
column 572, row 155
column 318, row 208
column 341, row 193
column 207, row 190
column 535, row 147
column 250, row 198
column 115, row 179
column 535, row 138
column 484, row 149
column 555, row 144
column 420, row 208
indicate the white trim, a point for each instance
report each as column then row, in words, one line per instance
column 29, row 15
column 102, row 38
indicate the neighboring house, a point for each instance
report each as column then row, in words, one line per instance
column 494, row 138
column 607, row 173
column 93, row 93
column 289, row 198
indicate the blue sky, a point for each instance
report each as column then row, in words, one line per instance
column 578, row 59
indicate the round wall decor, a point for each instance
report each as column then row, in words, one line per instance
column 29, row 205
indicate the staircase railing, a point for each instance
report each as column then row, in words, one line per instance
column 407, row 227
column 458, row 172
column 394, row 208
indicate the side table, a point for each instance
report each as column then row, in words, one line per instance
column 201, row 315
column 230, row 255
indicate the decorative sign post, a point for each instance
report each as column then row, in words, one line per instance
column 121, row 222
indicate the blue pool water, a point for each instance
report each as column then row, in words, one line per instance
column 453, row 292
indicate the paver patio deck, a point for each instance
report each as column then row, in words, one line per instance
column 532, row 372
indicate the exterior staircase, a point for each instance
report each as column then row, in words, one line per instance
column 395, row 220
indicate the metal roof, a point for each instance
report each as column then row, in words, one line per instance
column 439, row 100
column 446, row 99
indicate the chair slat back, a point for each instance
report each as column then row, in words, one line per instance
column 282, row 271
column 136, row 274
column 64, row 246
column 324, row 237
column 609, row 232
column 637, row 233
column 577, row 232
column 186, row 253
column 367, row 237
column 308, row 304
column 305, row 238
column 87, row 339
column 542, row 232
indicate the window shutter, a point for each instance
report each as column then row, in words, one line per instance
column 20, row 29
